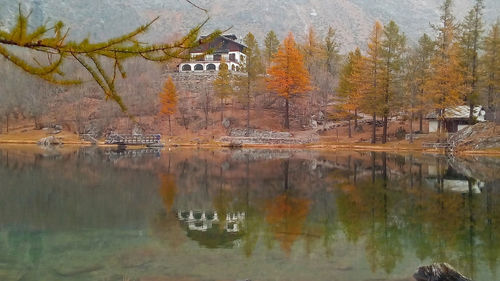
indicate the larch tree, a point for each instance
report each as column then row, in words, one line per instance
column 103, row 61
column 469, row 40
column 223, row 86
column 350, row 86
column 374, row 76
column 446, row 85
column 168, row 101
column 271, row 44
column 491, row 68
column 392, row 52
column 332, row 51
column 288, row 75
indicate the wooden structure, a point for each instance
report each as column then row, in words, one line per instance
column 148, row 140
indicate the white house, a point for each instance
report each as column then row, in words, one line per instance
column 225, row 48
column 456, row 118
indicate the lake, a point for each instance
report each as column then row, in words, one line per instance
column 194, row 214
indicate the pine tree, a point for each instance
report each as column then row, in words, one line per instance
column 168, row 100
column 271, row 44
column 491, row 67
column 374, row 77
column 424, row 53
column 470, row 37
column 223, row 86
column 288, row 75
column 254, row 67
column 52, row 42
column 332, row 46
column 392, row 51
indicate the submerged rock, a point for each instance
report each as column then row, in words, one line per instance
column 438, row 272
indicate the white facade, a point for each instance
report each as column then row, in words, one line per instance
column 433, row 126
column 234, row 60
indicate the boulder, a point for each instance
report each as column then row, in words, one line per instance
column 438, row 272
column 50, row 140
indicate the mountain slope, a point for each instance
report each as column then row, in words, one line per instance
column 352, row 18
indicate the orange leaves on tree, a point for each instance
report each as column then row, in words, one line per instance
column 287, row 74
column 168, row 100
column 286, row 216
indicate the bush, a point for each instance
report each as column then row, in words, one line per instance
column 400, row 133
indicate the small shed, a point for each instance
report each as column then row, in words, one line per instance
column 456, row 118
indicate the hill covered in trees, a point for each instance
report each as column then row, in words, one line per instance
column 353, row 19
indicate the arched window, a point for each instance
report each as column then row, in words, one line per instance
column 237, row 68
column 211, row 66
column 198, row 67
column 186, row 67
column 233, row 68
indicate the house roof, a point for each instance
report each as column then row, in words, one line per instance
column 460, row 112
column 221, row 44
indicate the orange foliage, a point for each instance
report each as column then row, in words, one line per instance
column 288, row 76
column 286, row 216
column 168, row 98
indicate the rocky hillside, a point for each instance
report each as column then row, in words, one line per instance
column 352, row 18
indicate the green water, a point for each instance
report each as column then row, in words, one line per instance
column 189, row 214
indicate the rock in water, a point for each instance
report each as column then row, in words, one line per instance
column 439, row 272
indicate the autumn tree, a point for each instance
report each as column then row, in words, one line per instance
column 469, row 40
column 424, row 53
column 491, row 67
column 374, row 76
column 168, row 100
column 446, row 86
column 223, row 86
column 392, row 52
column 332, row 51
column 288, row 76
column 52, row 50
column 350, row 87
column 271, row 44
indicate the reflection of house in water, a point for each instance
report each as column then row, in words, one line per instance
column 454, row 181
column 211, row 231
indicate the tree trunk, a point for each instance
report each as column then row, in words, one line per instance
column 374, row 128
column 221, row 110
column 384, row 134
column 350, row 135
column 287, row 121
column 7, row 121
column 411, row 127
column 169, row 125
column 286, row 165
column 356, row 118
column 471, row 113
column 248, row 114
column 421, row 117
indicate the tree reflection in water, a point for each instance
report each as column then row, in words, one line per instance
column 394, row 207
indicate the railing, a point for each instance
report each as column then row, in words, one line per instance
column 133, row 139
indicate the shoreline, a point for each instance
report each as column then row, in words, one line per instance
column 389, row 147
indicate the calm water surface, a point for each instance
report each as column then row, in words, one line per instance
column 187, row 214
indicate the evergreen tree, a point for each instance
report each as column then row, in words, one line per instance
column 271, row 44
column 168, row 100
column 392, row 51
column 332, row 52
column 491, row 67
column 288, row 75
column 470, row 37
column 53, row 43
column 254, row 67
column 223, row 86
column 424, row 53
